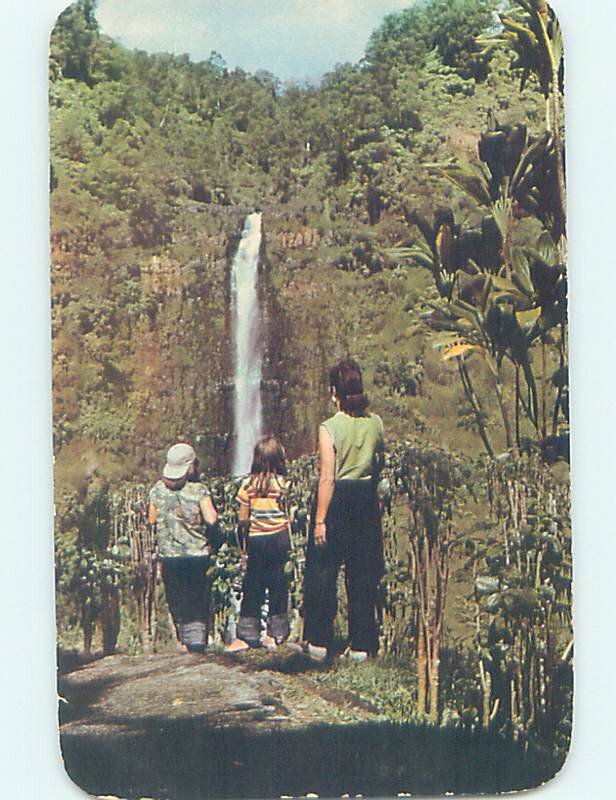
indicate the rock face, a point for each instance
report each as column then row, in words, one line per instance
column 304, row 237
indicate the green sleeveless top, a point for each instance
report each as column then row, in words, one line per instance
column 359, row 445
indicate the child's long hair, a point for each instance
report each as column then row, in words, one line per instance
column 268, row 461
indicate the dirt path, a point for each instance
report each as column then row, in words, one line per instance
column 189, row 727
column 120, row 694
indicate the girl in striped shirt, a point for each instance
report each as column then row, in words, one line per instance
column 263, row 533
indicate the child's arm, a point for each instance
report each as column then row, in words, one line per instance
column 207, row 509
column 243, row 525
column 213, row 533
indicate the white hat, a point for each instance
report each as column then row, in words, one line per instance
column 179, row 459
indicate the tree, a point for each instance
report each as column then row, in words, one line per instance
column 521, row 598
column 450, row 26
column 497, row 298
column 72, row 40
column 532, row 31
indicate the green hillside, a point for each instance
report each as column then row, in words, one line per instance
column 413, row 218
column 155, row 163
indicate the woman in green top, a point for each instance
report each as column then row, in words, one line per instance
column 346, row 528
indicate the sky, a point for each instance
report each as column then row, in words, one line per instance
column 294, row 39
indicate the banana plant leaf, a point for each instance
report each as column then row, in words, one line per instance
column 471, row 179
column 528, row 318
column 486, row 585
column 462, row 349
column 521, row 272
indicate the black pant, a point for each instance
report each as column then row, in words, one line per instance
column 267, row 556
column 188, row 590
column 354, row 538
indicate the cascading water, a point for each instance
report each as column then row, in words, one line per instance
column 247, row 410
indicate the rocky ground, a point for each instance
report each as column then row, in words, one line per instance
column 187, row 727
column 118, row 694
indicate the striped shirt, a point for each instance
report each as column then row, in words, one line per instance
column 267, row 514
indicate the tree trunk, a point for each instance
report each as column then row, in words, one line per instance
column 486, row 694
column 472, row 399
column 110, row 619
column 87, row 638
column 504, row 412
column 544, row 391
column 422, row 699
column 433, row 679
column 517, row 407
column 146, row 626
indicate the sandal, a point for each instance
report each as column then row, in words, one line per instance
column 237, row 646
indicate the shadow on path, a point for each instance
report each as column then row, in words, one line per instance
column 190, row 728
column 185, row 759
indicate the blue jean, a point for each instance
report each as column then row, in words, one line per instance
column 267, row 557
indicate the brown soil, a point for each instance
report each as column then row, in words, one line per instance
column 255, row 690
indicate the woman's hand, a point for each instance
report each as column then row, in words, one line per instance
column 320, row 533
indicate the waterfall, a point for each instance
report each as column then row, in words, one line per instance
column 247, row 410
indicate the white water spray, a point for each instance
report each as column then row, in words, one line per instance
column 248, row 414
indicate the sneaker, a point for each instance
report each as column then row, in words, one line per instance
column 270, row 643
column 358, row 655
column 316, row 653
column 354, row 655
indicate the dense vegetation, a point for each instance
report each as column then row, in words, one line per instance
column 413, row 210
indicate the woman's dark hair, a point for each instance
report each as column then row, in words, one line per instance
column 268, row 460
column 191, row 476
column 345, row 378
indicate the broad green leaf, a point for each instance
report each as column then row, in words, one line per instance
column 486, row 585
column 470, row 179
column 529, row 317
column 460, row 350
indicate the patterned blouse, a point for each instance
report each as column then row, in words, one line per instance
column 179, row 523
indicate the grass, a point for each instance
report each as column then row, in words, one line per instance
column 186, row 760
column 380, row 682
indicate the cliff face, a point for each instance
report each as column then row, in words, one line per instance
column 143, row 349
column 143, row 352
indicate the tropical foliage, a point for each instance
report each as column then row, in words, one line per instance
column 512, row 617
column 424, row 185
column 498, row 298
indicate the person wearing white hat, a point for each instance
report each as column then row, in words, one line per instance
column 185, row 519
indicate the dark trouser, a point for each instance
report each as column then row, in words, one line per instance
column 354, row 539
column 188, row 590
column 267, row 556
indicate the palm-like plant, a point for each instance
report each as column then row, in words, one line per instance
column 485, row 313
column 498, row 298
column 517, row 177
column 531, row 30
